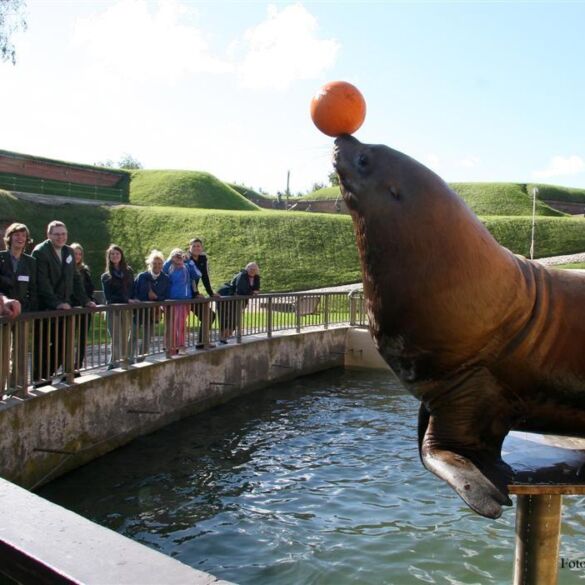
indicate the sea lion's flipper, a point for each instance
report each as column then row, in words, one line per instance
column 461, row 430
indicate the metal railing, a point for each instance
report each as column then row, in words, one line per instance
column 37, row 349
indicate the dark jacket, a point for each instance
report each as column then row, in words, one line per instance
column 202, row 264
column 58, row 281
column 22, row 284
column 118, row 286
column 87, row 283
column 145, row 282
column 240, row 285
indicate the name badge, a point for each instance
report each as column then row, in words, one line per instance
column 69, row 259
column 23, row 278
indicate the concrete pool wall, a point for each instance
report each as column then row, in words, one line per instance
column 64, row 427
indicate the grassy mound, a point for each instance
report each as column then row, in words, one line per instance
column 501, row 199
column 555, row 193
column 185, row 189
column 249, row 193
column 483, row 198
column 294, row 250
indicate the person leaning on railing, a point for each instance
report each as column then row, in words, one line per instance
column 151, row 285
column 118, row 286
column 84, row 321
column 59, row 287
column 18, row 280
column 245, row 283
column 184, row 279
column 199, row 258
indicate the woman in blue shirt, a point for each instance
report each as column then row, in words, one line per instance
column 184, row 279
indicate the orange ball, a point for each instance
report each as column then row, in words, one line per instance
column 338, row 108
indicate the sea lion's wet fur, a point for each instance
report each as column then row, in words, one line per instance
column 488, row 341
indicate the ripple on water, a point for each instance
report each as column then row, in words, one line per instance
column 314, row 481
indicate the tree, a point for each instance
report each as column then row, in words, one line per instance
column 333, row 179
column 11, row 21
column 127, row 161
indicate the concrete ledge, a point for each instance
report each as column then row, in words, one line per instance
column 60, row 429
column 41, row 542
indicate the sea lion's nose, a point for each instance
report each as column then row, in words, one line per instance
column 345, row 139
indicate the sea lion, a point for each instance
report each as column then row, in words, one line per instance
column 486, row 340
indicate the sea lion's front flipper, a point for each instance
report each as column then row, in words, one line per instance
column 461, row 430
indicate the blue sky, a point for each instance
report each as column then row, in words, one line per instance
column 478, row 91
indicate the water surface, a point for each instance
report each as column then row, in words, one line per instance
column 313, row 481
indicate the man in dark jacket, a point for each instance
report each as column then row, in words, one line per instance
column 58, row 283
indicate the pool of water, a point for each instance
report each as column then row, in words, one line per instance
column 312, row 481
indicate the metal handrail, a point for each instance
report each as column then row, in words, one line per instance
column 37, row 347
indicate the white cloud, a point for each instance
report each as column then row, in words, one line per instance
column 138, row 42
column 469, row 161
column 284, row 48
column 559, row 166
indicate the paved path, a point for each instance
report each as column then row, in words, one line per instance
column 551, row 261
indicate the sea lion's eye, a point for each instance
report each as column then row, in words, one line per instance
column 394, row 192
column 362, row 161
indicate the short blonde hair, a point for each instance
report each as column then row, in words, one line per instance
column 55, row 223
column 252, row 265
column 152, row 256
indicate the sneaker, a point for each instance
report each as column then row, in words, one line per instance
column 200, row 346
column 223, row 341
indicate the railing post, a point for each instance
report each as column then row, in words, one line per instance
column 69, row 345
column 125, row 333
column 269, row 317
column 169, row 317
column 352, row 310
column 239, row 306
column 326, row 312
column 205, row 322
column 4, row 356
column 298, row 313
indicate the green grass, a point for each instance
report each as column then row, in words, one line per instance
column 556, row 193
column 483, row 198
column 501, row 199
column 185, row 189
column 249, row 193
column 571, row 266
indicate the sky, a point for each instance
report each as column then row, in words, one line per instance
column 477, row 91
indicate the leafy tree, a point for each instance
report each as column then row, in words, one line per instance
column 127, row 161
column 333, row 179
column 316, row 187
column 11, row 20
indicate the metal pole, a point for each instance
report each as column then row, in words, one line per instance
column 538, row 529
column 534, row 194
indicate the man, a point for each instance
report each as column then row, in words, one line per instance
column 58, row 283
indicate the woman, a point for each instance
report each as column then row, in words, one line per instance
column 84, row 321
column 118, row 287
column 246, row 283
column 199, row 258
column 151, row 285
column 184, row 279
column 18, row 282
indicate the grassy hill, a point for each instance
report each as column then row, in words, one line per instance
column 556, row 193
column 294, row 250
column 249, row 193
column 185, row 189
column 483, row 198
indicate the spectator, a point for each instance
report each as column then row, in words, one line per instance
column 83, row 321
column 118, row 287
column 245, row 283
column 151, row 285
column 184, row 279
column 59, row 286
column 9, row 308
column 18, row 271
column 199, row 258
column 18, row 279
